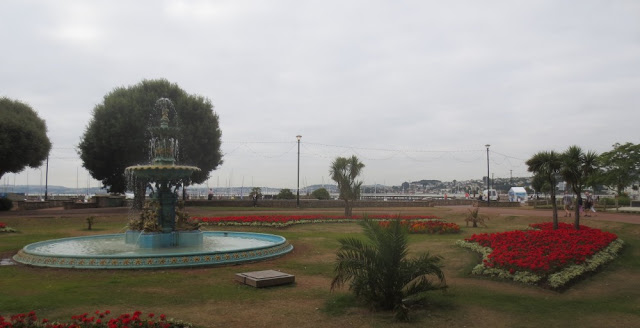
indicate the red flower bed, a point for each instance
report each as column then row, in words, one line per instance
column 286, row 220
column 99, row 320
column 2, row 225
column 428, row 227
column 542, row 251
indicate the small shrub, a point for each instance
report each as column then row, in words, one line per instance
column 90, row 222
column 183, row 220
column 6, row 204
column 475, row 218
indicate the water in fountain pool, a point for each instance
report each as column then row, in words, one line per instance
column 115, row 245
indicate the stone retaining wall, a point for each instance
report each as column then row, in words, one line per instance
column 109, row 201
column 304, row 203
column 36, row 205
column 308, row 203
column 79, row 205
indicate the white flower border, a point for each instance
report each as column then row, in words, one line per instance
column 555, row 280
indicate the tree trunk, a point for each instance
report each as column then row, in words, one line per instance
column 347, row 208
column 576, row 220
column 555, row 209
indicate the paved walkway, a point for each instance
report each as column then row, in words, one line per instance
column 635, row 210
column 632, row 216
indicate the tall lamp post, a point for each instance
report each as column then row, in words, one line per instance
column 46, row 181
column 488, row 185
column 298, row 189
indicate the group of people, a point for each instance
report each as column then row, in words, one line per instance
column 584, row 206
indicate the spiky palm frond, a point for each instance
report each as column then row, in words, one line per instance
column 548, row 164
column 578, row 168
column 420, row 270
column 379, row 270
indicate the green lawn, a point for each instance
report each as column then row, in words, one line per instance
column 209, row 297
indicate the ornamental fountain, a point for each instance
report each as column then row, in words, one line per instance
column 162, row 236
column 156, row 227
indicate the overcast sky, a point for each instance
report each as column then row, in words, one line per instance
column 415, row 89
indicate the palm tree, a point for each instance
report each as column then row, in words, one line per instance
column 577, row 168
column 344, row 171
column 547, row 164
column 380, row 271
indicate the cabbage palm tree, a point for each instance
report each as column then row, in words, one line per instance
column 344, row 171
column 380, row 271
column 547, row 164
column 577, row 168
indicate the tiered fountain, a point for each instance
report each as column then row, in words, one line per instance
column 157, row 226
column 162, row 236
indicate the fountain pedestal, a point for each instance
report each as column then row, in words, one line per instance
column 167, row 211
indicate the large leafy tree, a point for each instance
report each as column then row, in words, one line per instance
column 117, row 135
column 321, row 194
column 23, row 137
column 285, row 193
column 620, row 166
column 547, row 165
column 540, row 184
column 578, row 168
column 380, row 271
column 344, row 171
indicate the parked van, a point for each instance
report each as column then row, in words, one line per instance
column 492, row 194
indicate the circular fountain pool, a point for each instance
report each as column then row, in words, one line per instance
column 112, row 252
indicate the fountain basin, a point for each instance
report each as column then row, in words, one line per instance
column 162, row 239
column 112, row 252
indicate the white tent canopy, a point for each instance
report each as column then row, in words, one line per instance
column 517, row 194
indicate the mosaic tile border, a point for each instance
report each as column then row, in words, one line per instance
column 150, row 262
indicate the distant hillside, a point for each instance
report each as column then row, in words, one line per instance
column 51, row 190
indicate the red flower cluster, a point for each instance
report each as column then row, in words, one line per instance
column 292, row 219
column 136, row 319
column 20, row 320
column 428, row 227
column 542, row 251
column 2, row 225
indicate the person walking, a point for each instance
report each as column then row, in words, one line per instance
column 567, row 201
column 589, row 205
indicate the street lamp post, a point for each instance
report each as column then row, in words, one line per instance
column 298, row 189
column 488, row 185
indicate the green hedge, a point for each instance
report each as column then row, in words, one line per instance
column 622, row 201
